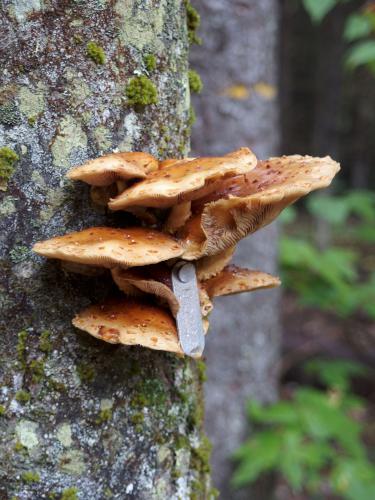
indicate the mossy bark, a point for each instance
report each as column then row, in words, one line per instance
column 81, row 418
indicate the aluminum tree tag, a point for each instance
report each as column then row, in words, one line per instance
column 189, row 317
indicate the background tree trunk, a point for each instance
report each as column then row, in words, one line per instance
column 238, row 107
column 111, row 421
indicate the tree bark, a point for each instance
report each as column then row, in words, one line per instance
column 238, row 107
column 109, row 421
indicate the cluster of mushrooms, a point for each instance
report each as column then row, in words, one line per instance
column 195, row 209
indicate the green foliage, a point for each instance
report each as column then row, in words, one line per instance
column 141, row 91
column 331, row 279
column 362, row 53
column 318, row 9
column 311, row 439
column 95, row 52
column 195, row 82
column 359, row 28
column 336, row 375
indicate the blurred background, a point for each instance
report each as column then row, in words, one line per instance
column 290, row 396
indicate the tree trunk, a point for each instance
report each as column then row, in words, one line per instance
column 107, row 421
column 238, row 107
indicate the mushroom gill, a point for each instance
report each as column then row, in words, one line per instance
column 245, row 204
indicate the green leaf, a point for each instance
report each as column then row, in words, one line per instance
column 288, row 215
column 259, row 454
column 357, row 26
column 334, row 210
column 318, row 9
column 282, row 412
column 335, row 373
column 360, row 54
column 353, row 479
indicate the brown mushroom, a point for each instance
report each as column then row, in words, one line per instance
column 184, row 180
column 210, row 266
column 177, row 217
column 154, row 280
column 130, row 322
column 244, row 204
column 233, row 279
column 113, row 167
column 109, row 247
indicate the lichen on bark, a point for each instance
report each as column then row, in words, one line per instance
column 99, row 420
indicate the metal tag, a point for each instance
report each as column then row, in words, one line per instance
column 189, row 317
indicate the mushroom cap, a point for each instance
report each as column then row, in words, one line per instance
column 130, row 322
column 233, row 279
column 210, row 266
column 154, row 280
column 109, row 247
column 184, row 180
column 177, row 217
column 244, row 204
column 107, row 169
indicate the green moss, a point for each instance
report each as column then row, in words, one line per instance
column 150, row 62
column 32, row 121
column 108, row 493
column 19, row 254
column 30, row 477
column 9, row 114
column 23, row 396
column 141, row 91
column 201, row 368
column 2, row 410
column 95, row 52
column 181, row 442
column 195, row 82
column 86, row 372
column 19, row 447
column 137, row 419
column 37, row 370
column 104, row 416
column 193, row 20
column 78, row 39
column 69, row 494
column 7, row 160
column 195, row 416
column 56, row 385
column 192, row 117
column 200, row 457
column 21, row 348
column 45, row 344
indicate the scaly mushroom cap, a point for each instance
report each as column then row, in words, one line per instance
column 244, row 204
column 108, row 169
column 233, row 279
column 154, row 280
column 109, row 247
column 130, row 322
column 184, row 180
